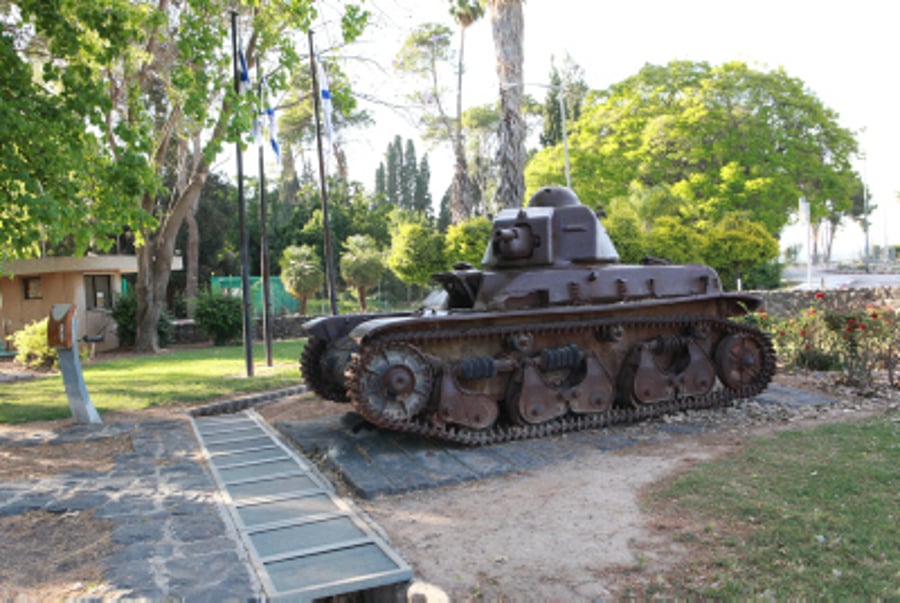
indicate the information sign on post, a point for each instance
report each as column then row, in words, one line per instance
column 62, row 334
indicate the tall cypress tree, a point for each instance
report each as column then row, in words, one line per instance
column 380, row 184
column 394, row 166
column 408, row 176
column 422, row 194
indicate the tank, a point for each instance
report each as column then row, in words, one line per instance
column 552, row 334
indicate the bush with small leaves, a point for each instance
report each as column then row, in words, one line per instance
column 124, row 313
column 32, row 348
column 220, row 316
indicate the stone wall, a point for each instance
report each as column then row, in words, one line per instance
column 783, row 303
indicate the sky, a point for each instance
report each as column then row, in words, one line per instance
column 847, row 54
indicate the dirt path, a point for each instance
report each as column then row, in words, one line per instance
column 558, row 533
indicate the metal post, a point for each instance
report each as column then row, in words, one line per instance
column 865, row 212
column 242, row 217
column 329, row 259
column 264, row 240
column 565, row 136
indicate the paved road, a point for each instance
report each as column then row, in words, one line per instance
column 822, row 278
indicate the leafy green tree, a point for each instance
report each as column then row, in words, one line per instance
column 59, row 182
column 570, row 85
column 716, row 138
column 736, row 245
column 403, row 182
column 426, row 55
column 466, row 241
column 624, row 229
column 673, row 239
column 166, row 101
column 362, row 265
column 417, row 252
column 296, row 124
column 301, row 272
column 422, row 196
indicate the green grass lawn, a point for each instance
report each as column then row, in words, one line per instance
column 803, row 515
column 188, row 376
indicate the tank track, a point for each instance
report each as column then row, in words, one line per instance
column 310, row 362
column 570, row 422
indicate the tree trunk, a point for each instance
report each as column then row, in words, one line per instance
column 361, row 291
column 155, row 260
column 303, row 306
column 507, row 23
column 192, row 259
column 461, row 190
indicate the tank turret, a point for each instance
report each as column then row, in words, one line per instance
column 556, row 252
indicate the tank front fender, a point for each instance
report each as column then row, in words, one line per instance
column 332, row 328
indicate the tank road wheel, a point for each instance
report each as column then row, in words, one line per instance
column 739, row 360
column 395, row 381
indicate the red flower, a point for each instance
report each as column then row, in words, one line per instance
column 850, row 329
column 813, row 311
column 851, row 320
column 874, row 315
column 802, row 333
column 820, row 295
column 862, row 326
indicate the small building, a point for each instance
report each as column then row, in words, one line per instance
column 31, row 287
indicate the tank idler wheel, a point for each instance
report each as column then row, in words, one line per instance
column 739, row 360
column 315, row 373
column 397, row 381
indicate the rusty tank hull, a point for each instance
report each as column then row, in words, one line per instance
column 554, row 335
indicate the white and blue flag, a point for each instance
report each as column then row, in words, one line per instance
column 269, row 114
column 327, row 107
column 244, row 81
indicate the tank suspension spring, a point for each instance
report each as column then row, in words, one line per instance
column 478, row 367
column 561, row 358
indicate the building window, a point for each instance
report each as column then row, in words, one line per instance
column 32, row 287
column 98, row 291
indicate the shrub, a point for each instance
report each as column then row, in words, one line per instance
column 31, row 346
column 220, row 316
column 855, row 342
column 124, row 312
column 32, row 349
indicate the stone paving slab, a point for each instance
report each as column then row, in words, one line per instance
column 170, row 538
column 377, row 463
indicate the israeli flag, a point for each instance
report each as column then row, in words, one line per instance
column 273, row 133
column 269, row 114
column 244, row 82
column 327, row 107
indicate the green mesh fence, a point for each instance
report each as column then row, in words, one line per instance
column 282, row 301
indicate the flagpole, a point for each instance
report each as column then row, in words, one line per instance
column 263, row 236
column 329, row 259
column 242, row 216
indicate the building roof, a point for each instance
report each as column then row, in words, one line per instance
column 124, row 264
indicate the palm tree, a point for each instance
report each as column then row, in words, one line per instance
column 301, row 272
column 464, row 12
column 508, row 26
column 362, row 265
